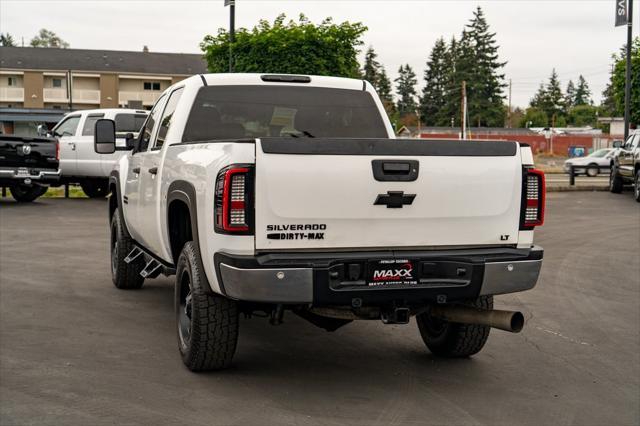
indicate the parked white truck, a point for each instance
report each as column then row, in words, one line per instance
column 79, row 162
column 273, row 193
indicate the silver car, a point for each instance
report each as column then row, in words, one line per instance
column 591, row 164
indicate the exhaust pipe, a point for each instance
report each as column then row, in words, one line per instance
column 504, row 320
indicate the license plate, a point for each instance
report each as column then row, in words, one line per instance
column 22, row 172
column 391, row 272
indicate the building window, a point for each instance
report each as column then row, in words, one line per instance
column 12, row 81
column 57, row 82
column 151, row 85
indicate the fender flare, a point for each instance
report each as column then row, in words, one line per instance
column 184, row 191
column 114, row 179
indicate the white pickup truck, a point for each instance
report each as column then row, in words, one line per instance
column 273, row 193
column 79, row 162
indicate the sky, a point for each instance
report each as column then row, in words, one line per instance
column 573, row 36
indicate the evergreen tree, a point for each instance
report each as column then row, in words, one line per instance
column 384, row 91
column 553, row 102
column 538, row 98
column 434, row 94
column 406, row 90
column 371, row 67
column 583, row 93
column 480, row 68
column 570, row 97
column 451, row 108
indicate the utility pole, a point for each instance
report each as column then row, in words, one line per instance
column 232, row 29
column 70, row 89
column 627, row 77
column 509, row 112
column 553, row 124
column 463, row 112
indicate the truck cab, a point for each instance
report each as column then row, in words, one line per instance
column 79, row 162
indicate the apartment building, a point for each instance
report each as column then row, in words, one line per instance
column 41, row 84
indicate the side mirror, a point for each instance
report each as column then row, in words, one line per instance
column 43, row 130
column 130, row 140
column 104, row 137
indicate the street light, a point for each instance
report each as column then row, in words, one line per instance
column 232, row 29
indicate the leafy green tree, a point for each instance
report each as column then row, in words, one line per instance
column 582, row 94
column 613, row 95
column 406, row 90
column 6, row 39
column 570, row 96
column 436, row 76
column 619, row 82
column 47, row 38
column 371, row 68
column 583, row 115
column 534, row 117
column 294, row 48
column 480, row 67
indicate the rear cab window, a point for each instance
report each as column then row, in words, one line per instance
column 129, row 123
column 237, row 112
column 90, row 123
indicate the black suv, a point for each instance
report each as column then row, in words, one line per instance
column 626, row 166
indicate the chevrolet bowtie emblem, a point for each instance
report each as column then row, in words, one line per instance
column 394, row 199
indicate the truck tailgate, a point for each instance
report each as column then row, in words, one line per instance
column 385, row 193
column 30, row 152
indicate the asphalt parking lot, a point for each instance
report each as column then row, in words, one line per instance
column 75, row 350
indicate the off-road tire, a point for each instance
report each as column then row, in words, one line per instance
column 454, row 340
column 592, row 170
column 95, row 188
column 636, row 186
column 125, row 276
column 27, row 194
column 207, row 324
column 615, row 181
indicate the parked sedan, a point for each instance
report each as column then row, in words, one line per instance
column 592, row 164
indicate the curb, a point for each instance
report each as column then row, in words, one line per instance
column 568, row 188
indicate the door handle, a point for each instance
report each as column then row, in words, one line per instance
column 153, row 170
column 395, row 170
column 136, row 170
column 72, row 145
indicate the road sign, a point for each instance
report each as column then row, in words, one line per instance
column 621, row 13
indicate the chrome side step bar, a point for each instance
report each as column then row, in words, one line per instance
column 133, row 255
column 153, row 267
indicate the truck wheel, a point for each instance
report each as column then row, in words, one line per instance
column 95, row 188
column 615, row 181
column 125, row 276
column 207, row 323
column 26, row 194
column 593, row 170
column 454, row 340
column 636, row 186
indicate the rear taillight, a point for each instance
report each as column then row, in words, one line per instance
column 533, row 198
column 58, row 151
column 233, row 200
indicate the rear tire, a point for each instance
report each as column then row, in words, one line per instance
column 455, row 340
column 125, row 276
column 95, row 188
column 615, row 181
column 636, row 186
column 27, row 194
column 592, row 170
column 207, row 324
